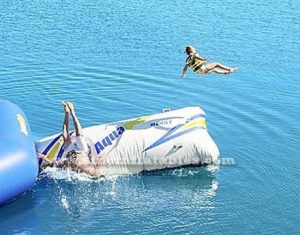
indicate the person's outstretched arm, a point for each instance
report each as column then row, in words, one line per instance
column 184, row 71
column 46, row 160
column 197, row 56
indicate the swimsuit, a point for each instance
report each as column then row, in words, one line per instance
column 79, row 143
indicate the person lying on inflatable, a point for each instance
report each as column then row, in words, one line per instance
column 76, row 152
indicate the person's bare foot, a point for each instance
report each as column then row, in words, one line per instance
column 71, row 107
column 66, row 108
column 230, row 71
column 233, row 69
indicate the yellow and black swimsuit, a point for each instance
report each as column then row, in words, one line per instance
column 194, row 63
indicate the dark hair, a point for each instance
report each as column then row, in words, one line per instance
column 72, row 156
column 189, row 49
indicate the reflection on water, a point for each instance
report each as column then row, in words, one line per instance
column 23, row 211
column 123, row 197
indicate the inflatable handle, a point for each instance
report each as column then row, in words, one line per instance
column 177, row 146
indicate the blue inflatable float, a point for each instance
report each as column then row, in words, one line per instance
column 18, row 161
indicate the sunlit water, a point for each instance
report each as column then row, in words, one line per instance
column 119, row 60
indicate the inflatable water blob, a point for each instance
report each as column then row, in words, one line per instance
column 18, row 161
column 169, row 139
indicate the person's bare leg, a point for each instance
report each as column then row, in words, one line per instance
column 76, row 122
column 219, row 71
column 66, row 128
column 217, row 65
column 219, row 68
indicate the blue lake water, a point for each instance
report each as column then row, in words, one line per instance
column 118, row 60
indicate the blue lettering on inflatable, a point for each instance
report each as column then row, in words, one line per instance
column 109, row 139
column 106, row 141
column 99, row 147
column 120, row 130
column 161, row 123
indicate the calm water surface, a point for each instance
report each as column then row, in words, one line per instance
column 118, row 60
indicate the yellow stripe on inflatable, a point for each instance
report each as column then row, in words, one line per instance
column 130, row 125
column 194, row 123
column 54, row 151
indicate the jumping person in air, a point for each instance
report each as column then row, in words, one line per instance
column 198, row 64
column 76, row 154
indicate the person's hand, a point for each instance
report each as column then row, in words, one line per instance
column 46, row 161
column 182, row 76
column 101, row 158
column 42, row 156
